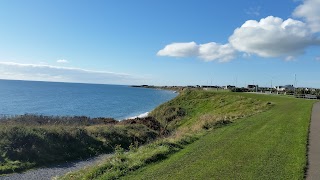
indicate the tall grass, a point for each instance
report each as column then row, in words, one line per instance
column 30, row 140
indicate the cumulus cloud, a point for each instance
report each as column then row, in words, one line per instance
column 269, row 37
column 208, row 52
column 179, row 50
column 310, row 11
column 62, row 61
column 273, row 37
column 40, row 72
column 213, row 51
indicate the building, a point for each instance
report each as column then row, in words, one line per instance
column 215, row 87
column 284, row 88
column 251, row 87
column 229, row 87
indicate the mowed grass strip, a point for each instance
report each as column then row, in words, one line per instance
column 269, row 145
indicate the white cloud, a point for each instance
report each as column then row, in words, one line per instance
column 213, row 51
column 317, row 58
column 269, row 37
column 62, row 61
column 289, row 58
column 40, row 72
column 180, row 50
column 253, row 11
column 310, row 11
column 273, row 37
column 208, row 52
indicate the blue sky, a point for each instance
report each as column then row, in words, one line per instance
column 167, row 42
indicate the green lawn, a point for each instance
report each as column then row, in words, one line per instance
column 183, row 120
column 268, row 145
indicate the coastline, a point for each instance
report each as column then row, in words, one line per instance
column 143, row 115
column 146, row 114
column 95, row 131
column 174, row 89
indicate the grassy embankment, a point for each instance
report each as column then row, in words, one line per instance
column 29, row 141
column 269, row 145
column 191, row 116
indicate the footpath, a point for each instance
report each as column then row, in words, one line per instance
column 313, row 172
column 49, row 173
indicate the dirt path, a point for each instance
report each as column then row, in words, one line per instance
column 313, row 171
column 54, row 171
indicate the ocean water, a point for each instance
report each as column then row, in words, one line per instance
column 69, row 99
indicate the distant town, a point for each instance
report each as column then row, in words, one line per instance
column 290, row 90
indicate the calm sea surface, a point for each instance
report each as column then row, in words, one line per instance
column 50, row 98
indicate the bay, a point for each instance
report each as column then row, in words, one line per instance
column 76, row 99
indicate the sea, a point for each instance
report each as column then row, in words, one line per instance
column 77, row 99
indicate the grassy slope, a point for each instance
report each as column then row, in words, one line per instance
column 186, row 118
column 205, row 107
column 269, row 145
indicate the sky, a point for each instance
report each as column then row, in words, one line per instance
column 162, row 42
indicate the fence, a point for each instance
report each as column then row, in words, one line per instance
column 306, row 96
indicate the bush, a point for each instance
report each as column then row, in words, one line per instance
column 36, row 120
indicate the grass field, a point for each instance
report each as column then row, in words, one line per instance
column 268, row 145
column 185, row 119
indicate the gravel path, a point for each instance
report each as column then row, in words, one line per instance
column 50, row 172
column 313, row 171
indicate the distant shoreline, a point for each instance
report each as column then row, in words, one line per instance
column 175, row 89
column 128, row 85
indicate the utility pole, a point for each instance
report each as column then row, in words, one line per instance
column 295, row 83
column 236, row 81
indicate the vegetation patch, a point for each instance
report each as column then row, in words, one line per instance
column 268, row 145
column 183, row 120
column 30, row 140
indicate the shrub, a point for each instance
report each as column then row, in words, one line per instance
column 23, row 147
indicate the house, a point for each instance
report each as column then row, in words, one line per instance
column 215, row 87
column 310, row 89
column 280, row 88
column 253, row 87
column 229, row 87
column 205, row 87
column 285, row 88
